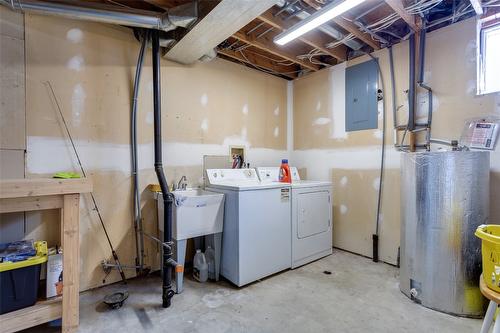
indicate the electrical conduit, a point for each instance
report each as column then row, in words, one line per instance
column 139, row 236
column 382, row 165
column 426, row 87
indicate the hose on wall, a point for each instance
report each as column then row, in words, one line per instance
column 382, row 164
column 139, row 235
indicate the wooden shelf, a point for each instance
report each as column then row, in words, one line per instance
column 41, row 312
column 37, row 194
column 37, row 187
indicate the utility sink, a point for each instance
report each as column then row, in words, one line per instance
column 196, row 212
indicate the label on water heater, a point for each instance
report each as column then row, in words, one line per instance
column 285, row 194
column 484, row 135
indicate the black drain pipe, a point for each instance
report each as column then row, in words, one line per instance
column 168, row 262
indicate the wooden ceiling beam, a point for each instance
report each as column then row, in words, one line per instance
column 313, row 4
column 220, row 23
column 255, row 60
column 476, row 4
column 312, row 38
column 269, row 46
column 413, row 21
column 353, row 29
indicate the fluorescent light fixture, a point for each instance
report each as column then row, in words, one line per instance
column 320, row 17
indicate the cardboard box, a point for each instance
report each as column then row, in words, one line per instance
column 54, row 275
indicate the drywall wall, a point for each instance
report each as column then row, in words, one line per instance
column 206, row 108
column 12, row 113
column 323, row 150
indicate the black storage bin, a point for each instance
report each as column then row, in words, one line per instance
column 19, row 288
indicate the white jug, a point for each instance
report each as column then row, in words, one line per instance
column 200, row 267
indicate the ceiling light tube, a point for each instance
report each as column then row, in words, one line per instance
column 320, row 17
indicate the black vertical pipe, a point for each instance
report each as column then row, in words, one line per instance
column 411, row 87
column 422, row 56
column 375, row 247
column 167, row 196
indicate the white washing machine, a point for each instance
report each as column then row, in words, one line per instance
column 311, row 215
column 256, row 236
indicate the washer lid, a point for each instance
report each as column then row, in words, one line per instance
column 239, row 179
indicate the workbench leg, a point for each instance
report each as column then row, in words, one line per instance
column 488, row 317
column 71, row 262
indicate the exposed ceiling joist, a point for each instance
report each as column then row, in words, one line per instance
column 413, row 21
column 353, row 29
column 476, row 4
column 313, row 39
column 255, row 60
column 268, row 46
column 313, row 4
column 219, row 24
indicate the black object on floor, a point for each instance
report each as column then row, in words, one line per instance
column 327, row 272
column 116, row 300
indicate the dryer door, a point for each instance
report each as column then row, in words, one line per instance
column 313, row 213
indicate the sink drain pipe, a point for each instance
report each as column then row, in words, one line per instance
column 168, row 262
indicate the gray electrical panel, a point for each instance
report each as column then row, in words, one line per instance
column 361, row 83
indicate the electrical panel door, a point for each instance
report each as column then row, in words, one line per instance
column 361, row 104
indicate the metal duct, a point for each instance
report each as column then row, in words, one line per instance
column 80, row 10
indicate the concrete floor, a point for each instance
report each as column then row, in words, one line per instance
column 358, row 296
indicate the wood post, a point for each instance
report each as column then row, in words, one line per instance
column 71, row 262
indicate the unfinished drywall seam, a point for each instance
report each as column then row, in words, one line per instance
column 48, row 155
column 337, row 111
column 289, row 117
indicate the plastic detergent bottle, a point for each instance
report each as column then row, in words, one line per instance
column 200, row 267
column 210, row 256
column 285, row 172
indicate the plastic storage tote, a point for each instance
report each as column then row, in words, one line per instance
column 19, row 280
column 490, row 249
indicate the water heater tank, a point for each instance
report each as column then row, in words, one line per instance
column 445, row 196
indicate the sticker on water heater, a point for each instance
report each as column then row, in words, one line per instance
column 497, row 270
column 285, row 194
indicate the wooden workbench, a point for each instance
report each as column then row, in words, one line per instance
column 22, row 195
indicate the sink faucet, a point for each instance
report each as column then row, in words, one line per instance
column 182, row 184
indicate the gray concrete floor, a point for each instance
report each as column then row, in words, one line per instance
column 358, row 296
